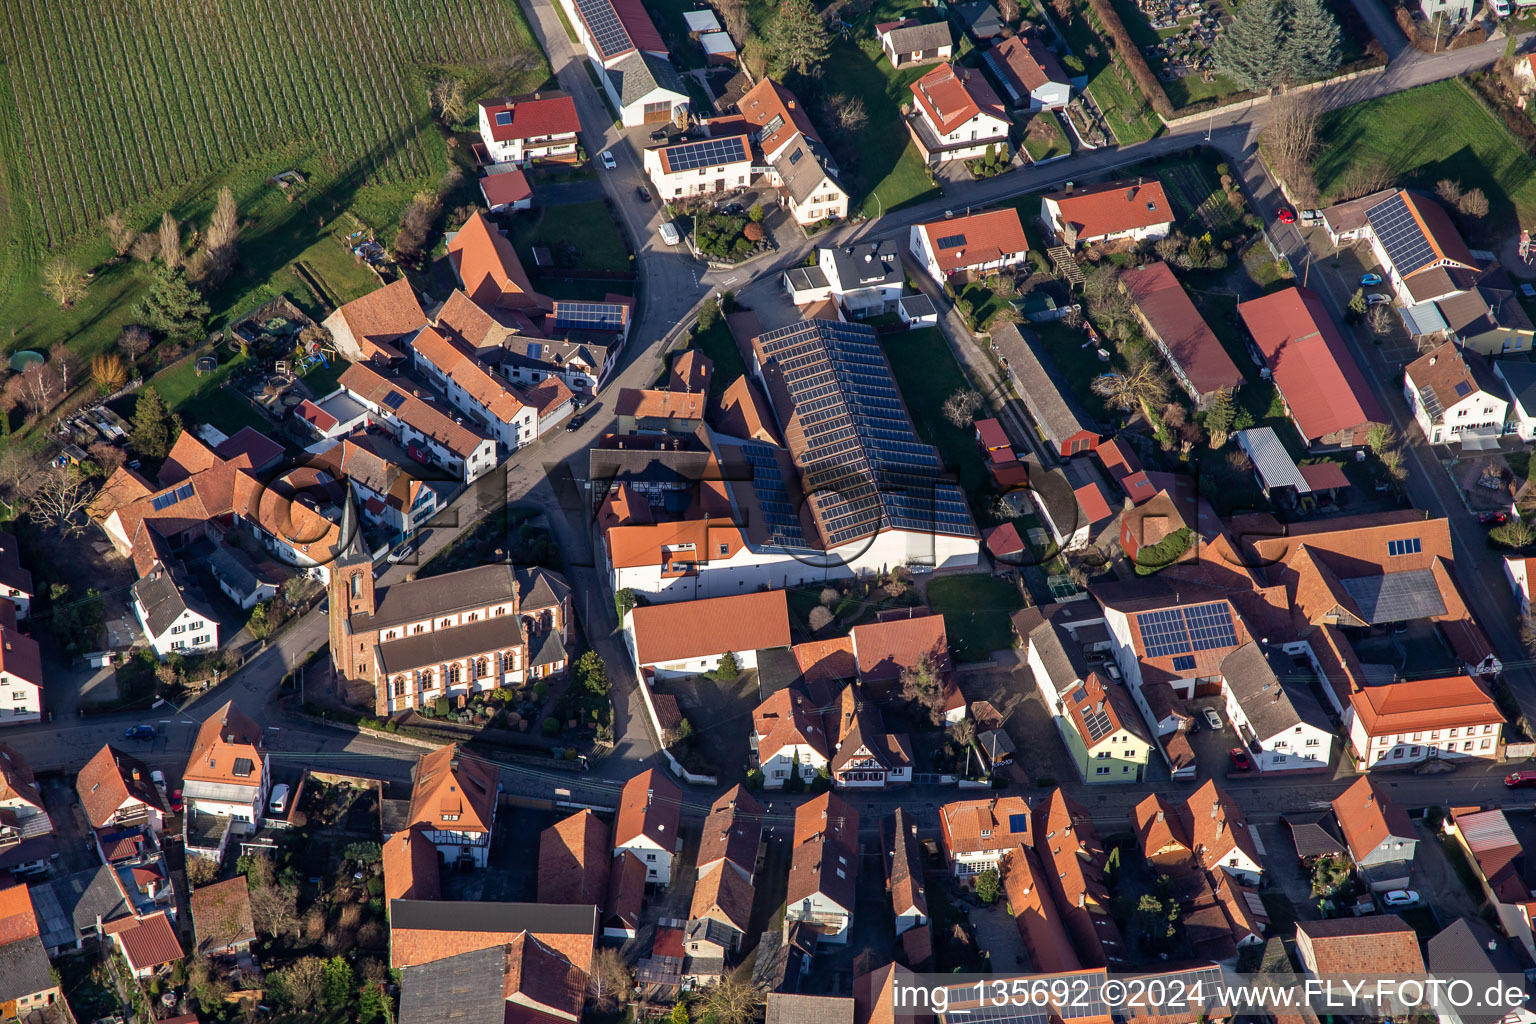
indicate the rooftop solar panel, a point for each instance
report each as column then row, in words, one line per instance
column 951, row 241
column 395, row 399
column 706, row 153
column 1401, row 236
column 503, row 117
column 607, row 29
column 1396, row 596
column 594, row 316
column 1177, row 631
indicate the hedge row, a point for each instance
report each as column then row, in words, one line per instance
column 1423, row 37
column 1489, row 90
column 1150, row 87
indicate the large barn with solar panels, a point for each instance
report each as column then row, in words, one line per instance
column 630, row 59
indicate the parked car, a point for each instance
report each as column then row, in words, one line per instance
column 1377, row 298
column 1212, row 718
column 734, row 210
column 575, row 423
column 175, row 801
column 401, row 553
column 1285, row 215
column 1400, row 898
column 1370, row 280
column 139, row 732
column 158, row 778
column 669, row 234
column 643, row 194
column 1519, row 780
column 1493, row 518
column 659, row 135
column 608, row 162
column 279, row 801
column 1240, row 759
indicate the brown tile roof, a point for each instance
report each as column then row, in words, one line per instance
column 1217, row 826
column 402, row 398
column 885, row 648
column 626, row 889
column 1113, row 207
column 950, row 96
column 985, row 238
column 1367, row 817
column 221, row 915
column 1028, row 62
column 465, row 323
column 18, row 918
column 574, row 860
column 108, row 780
column 964, row 821
column 733, row 831
column 454, row 793
column 410, row 866
column 745, row 414
column 1162, row 831
column 12, row 572
column 470, row 374
column 1073, row 861
column 226, row 739
column 1451, row 374
column 1375, row 944
column 1424, row 704
column 649, row 806
column 784, row 1008
column 768, row 100
column 187, row 457
column 723, row 895
column 1190, row 341
column 1108, row 698
column 1036, row 914
column 382, row 317
column 150, row 942
column 874, row 997
column 489, row 269
column 1314, row 370
column 644, row 403
column 691, row 370
column 539, row 974
column 788, row 718
column 826, row 662
column 825, row 857
column 697, row 629
column 16, row 779
column 903, row 863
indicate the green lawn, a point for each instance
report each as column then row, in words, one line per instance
column 1197, row 193
column 1044, row 137
column 339, row 273
column 1425, row 134
column 889, row 173
column 718, row 344
column 579, row 289
column 976, row 612
column 588, row 229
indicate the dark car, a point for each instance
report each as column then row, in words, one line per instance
column 1493, row 518
column 643, row 194
column 139, row 732
column 735, row 210
column 659, row 135
column 1519, row 780
column 575, row 424
column 1240, row 759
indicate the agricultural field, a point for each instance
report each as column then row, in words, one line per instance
column 147, row 106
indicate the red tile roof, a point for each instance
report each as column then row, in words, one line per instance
column 488, row 267
column 1319, row 379
column 574, row 860
column 1424, row 704
column 950, row 96
column 987, row 825
column 108, row 780
column 533, row 118
column 788, row 718
column 1003, row 540
column 221, row 914
column 410, row 866
column 453, row 793
column 649, row 806
column 625, row 894
column 700, row 629
column 18, row 919
column 724, row 895
column 1094, row 503
column 252, row 443
column 885, row 648
column 150, row 942
column 225, row 737
column 733, row 831
column 1377, row 944
column 1323, row 476
column 1027, row 59
column 383, row 316
column 989, row 432
column 768, row 100
column 985, row 238
column 1189, row 340
column 506, row 188
column 1113, row 207
column 1116, row 704
column 1367, row 817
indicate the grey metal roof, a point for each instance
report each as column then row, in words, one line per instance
column 806, row 278
column 931, row 35
column 917, row 305
column 1520, row 381
column 1396, row 596
column 462, row 989
column 539, row 918
column 868, row 264
column 708, row 929
column 980, row 19
column 1273, row 696
column 450, row 644
column 1273, row 462
column 412, row 600
column 167, row 592
column 24, row 969
column 1047, row 395
column 206, row 831
column 640, row 74
column 1422, row 319
column 996, row 743
column 1314, row 834
column 70, row 904
column 539, row 587
column 1062, row 657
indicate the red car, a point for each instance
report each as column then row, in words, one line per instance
column 1493, row 518
column 175, row 801
column 1240, row 759
column 1286, row 215
column 1518, row 780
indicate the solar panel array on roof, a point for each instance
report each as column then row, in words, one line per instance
column 768, row 483
column 1098, row 723
column 1396, row 596
column 394, row 399
column 1431, row 403
column 590, row 316
column 175, row 497
column 607, row 29
column 1404, row 241
column 1018, row 824
column 503, row 117
column 706, row 153
column 1079, row 695
column 863, row 467
column 1173, row 631
column 951, row 241
column 1463, row 389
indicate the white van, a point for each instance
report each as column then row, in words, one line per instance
column 279, row 801
column 669, row 233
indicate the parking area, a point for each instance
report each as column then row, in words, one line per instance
column 1349, row 265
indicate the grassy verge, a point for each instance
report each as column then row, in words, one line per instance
column 1044, row 137
column 718, row 344
column 976, row 612
column 581, row 236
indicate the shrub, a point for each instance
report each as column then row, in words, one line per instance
column 988, row 886
column 551, row 727
column 442, row 706
column 1155, row 557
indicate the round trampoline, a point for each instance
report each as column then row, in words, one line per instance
column 25, row 358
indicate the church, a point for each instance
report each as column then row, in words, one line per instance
column 448, row 636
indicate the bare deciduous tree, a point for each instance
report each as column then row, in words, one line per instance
column 1291, row 141
column 62, row 494
column 820, row 618
column 170, row 241
column 223, row 230
column 1379, row 319
column 1141, row 387
column 108, row 456
column 609, row 982
column 448, row 99
column 305, row 979
column 1364, row 178
column 922, row 685
column 961, row 407
column 134, row 341
column 1010, row 10
column 733, row 14
column 145, row 247
column 67, row 365
column 119, row 232
column 731, row 1002
column 41, row 387
column 63, row 282
column 18, row 474
column 1474, row 203
column 417, row 224
column 1449, row 191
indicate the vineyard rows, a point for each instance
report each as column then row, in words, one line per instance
column 119, row 100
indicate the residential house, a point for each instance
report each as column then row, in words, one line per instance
column 476, row 391
column 980, row 19
column 1074, row 501
column 1378, row 834
column 700, row 166
column 800, row 165
column 575, row 858
column 649, row 808
column 1455, row 396
column 1095, row 214
column 1032, row 903
column 506, row 190
column 1325, row 394
column 225, row 782
column 488, row 269
column 244, row 581
column 980, row 834
column 1519, row 380
column 1414, row 242
column 428, row 433
column 1104, row 732
column 412, row 870
column 1031, row 76
column 720, row 914
column 1056, row 662
column 173, row 613
column 909, row 41
column 1398, row 723
column 904, row 871
column 629, row 58
column 1518, row 572
column 1048, row 396
column 691, row 638
column 383, row 482
column 517, row 978
column 455, row 634
column 978, row 243
column 379, row 326
column 21, row 671
column 16, row 584
column 453, row 801
column 865, row 277
column 867, row 756
column 1072, row 859
column 1375, row 944
column 1163, row 833
column 221, row 918
column 626, row 896
column 1222, row 839
column 1196, row 356
column 1468, row 948
column 425, row 931
column 824, row 867
column 957, row 116
column 28, row 985
column 788, row 738
column 146, row 943
column 27, row 844
column 1270, row 705
column 576, row 342
column 1175, row 635
column 529, row 130
column 732, row 834
column 1487, row 319
column 1489, row 842
column 117, row 791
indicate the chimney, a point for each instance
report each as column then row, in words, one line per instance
column 136, row 775
column 1159, row 815
column 1070, row 186
column 1130, row 194
column 1213, row 810
column 790, row 104
column 1082, row 899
